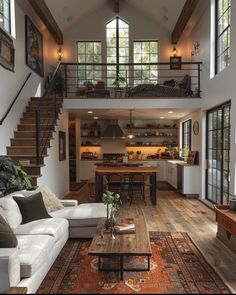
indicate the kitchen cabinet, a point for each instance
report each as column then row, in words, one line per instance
column 172, row 172
column 87, row 169
column 188, row 180
column 161, row 168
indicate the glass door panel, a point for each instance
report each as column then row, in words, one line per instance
column 218, row 154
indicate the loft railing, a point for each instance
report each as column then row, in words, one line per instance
column 15, row 99
column 88, row 80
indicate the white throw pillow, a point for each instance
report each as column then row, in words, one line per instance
column 50, row 200
column 11, row 210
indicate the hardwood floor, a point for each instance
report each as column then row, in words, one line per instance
column 176, row 213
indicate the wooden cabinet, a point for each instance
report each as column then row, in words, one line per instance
column 226, row 232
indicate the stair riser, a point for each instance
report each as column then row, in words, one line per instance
column 32, row 170
column 34, row 181
column 24, row 151
column 48, row 99
column 33, row 128
column 31, row 115
column 32, row 159
column 28, row 142
column 32, row 134
column 43, row 109
column 46, row 104
column 43, row 121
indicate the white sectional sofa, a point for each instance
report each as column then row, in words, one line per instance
column 40, row 241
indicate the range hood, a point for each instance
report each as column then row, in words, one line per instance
column 113, row 131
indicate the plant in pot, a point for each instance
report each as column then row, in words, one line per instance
column 113, row 202
column 118, row 81
column 12, row 177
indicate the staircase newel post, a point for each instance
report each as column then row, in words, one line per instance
column 37, row 136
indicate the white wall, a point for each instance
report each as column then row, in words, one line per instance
column 55, row 173
column 11, row 82
column 93, row 27
column 220, row 88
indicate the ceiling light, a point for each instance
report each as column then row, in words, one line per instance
column 162, row 118
column 170, row 112
column 95, row 118
column 130, row 134
column 90, row 112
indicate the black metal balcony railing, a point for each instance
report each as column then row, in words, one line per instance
column 89, row 80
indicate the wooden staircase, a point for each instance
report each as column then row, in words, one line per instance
column 23, row 145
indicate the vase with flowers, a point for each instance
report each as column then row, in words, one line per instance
column 113, row 202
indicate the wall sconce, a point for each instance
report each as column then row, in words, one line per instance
column 175, row 52
column 59, row 54
column 196, row 46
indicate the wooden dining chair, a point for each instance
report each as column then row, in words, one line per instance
column 137, row 185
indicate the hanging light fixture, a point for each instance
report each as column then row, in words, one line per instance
column 130, row 134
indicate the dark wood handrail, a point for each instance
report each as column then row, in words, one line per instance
column 14, row 100
column 129, row 64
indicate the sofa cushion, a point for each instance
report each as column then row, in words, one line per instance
column 32, row 208
column 84, row 215
column 33, row 251
column 52, row 203
column 55, row 227
column 11, row 211
column 7, row 237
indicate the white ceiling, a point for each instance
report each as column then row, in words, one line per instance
column 69, row 12
column 147, row 114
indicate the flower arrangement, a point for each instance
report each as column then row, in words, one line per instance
column 113, row 202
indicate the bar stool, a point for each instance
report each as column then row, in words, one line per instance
column 137, row 185
column 115, row 183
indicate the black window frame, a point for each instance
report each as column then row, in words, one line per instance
column 189, row 132
column 8, row 18
column 221, row 127
column 149, row 54
column 85, row 67
column 218, row 36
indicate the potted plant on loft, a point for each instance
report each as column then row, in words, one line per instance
column 118, row 81
column 12, row 177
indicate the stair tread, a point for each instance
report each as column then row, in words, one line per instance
column 35, row 175
column 26, row 146
column 33, row 165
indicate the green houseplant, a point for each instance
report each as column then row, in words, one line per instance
column 118, row 81
column 113, row 203
column 12, row 177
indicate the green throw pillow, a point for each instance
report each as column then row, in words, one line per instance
column 7, row 237
column 32, row 208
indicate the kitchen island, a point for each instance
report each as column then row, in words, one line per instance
column 102, row 171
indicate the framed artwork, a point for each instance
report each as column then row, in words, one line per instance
column 196, row 128
column 175, row 62
column 62, row 146
column 7, row 51
column 34, row 47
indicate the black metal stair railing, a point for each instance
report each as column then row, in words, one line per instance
column 46, row 114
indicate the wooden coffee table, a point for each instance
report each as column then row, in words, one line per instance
column 124, row 245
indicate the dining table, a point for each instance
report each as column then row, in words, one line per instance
column 149, row 171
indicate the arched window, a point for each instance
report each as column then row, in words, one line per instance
column 117, row 32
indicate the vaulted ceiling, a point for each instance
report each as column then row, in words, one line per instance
column 69, row 12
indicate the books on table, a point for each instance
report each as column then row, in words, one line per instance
column 125, row 228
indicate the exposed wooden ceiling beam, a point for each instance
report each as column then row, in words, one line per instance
column 116, row 5
column 189, row 7
column 47, row 18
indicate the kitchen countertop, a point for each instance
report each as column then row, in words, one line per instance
column 135, row 160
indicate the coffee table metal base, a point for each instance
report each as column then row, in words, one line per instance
column 122, row 269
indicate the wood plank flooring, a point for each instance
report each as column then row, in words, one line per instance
column 176, row 213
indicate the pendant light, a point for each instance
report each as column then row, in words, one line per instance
column 130, row 134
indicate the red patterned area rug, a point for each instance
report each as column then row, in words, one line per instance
column 177, row 266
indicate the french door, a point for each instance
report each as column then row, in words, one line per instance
column 218, row 154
